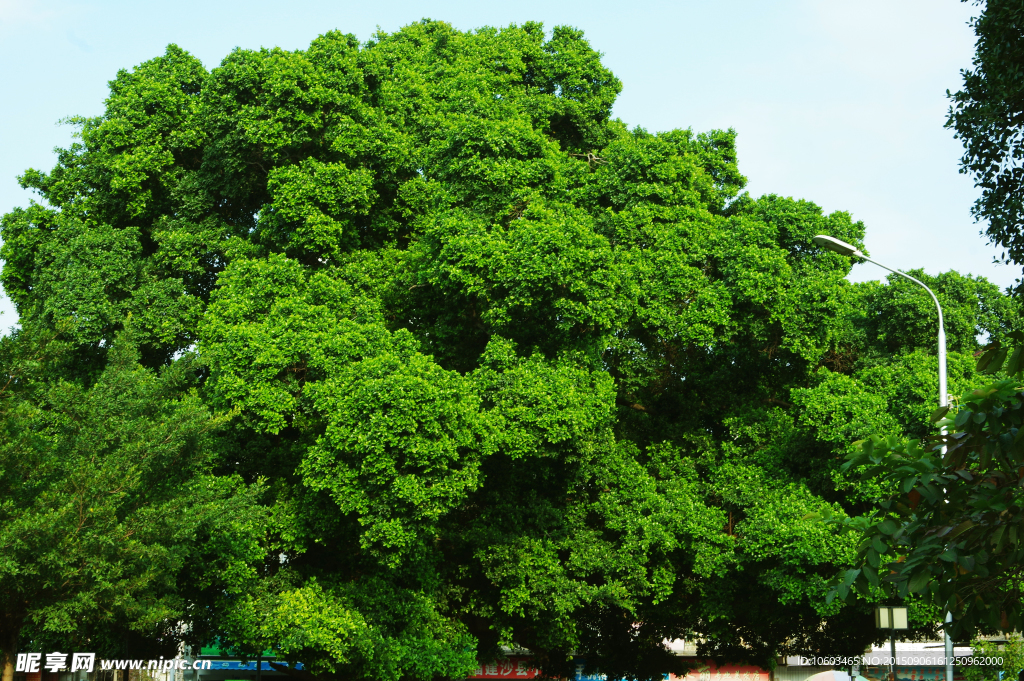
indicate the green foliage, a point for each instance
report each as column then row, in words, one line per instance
column 901, row 318
column 949, row 531
column 1011, row 652
column 987, row 115
column 506, row 372
column 111, row 515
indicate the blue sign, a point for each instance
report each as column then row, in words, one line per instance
column 580, row 676
column 239, row 666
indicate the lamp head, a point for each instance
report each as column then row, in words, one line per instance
column 833, row 244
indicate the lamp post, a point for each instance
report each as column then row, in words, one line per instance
column 843, row 248
column 891, row 618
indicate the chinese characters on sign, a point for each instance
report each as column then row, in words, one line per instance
column 55, row 662
column 512, row 668
column 711, row 672
column 580, row 676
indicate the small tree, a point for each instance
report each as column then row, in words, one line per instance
column 949, row 528
column 113, row 529
column 1011, row 653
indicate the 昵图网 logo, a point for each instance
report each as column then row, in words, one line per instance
column 85, row 662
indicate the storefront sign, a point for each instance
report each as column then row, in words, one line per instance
column 709, row 671
column 511, row 668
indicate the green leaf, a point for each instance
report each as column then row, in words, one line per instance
column 996, row 537
column 879, row 544
column 888, row 526
column 919, row 580
column 987, row 363
column 961, row 528
column 849, row 577
column 1016, row 363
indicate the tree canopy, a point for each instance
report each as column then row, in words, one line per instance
column 491, row 368
column 987, row 114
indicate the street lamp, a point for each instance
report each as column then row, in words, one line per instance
column 891, row 618
column 843, row 248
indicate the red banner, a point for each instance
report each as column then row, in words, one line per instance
column 512, row 668
column 709, row 671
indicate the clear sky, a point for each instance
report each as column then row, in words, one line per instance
column 838, row 102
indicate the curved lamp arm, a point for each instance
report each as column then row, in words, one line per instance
column 843, row 248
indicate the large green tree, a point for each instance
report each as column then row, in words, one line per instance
column 511, row 373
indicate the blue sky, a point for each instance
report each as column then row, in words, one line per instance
column 840, row 103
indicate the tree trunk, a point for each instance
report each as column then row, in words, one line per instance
column 9, row 631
